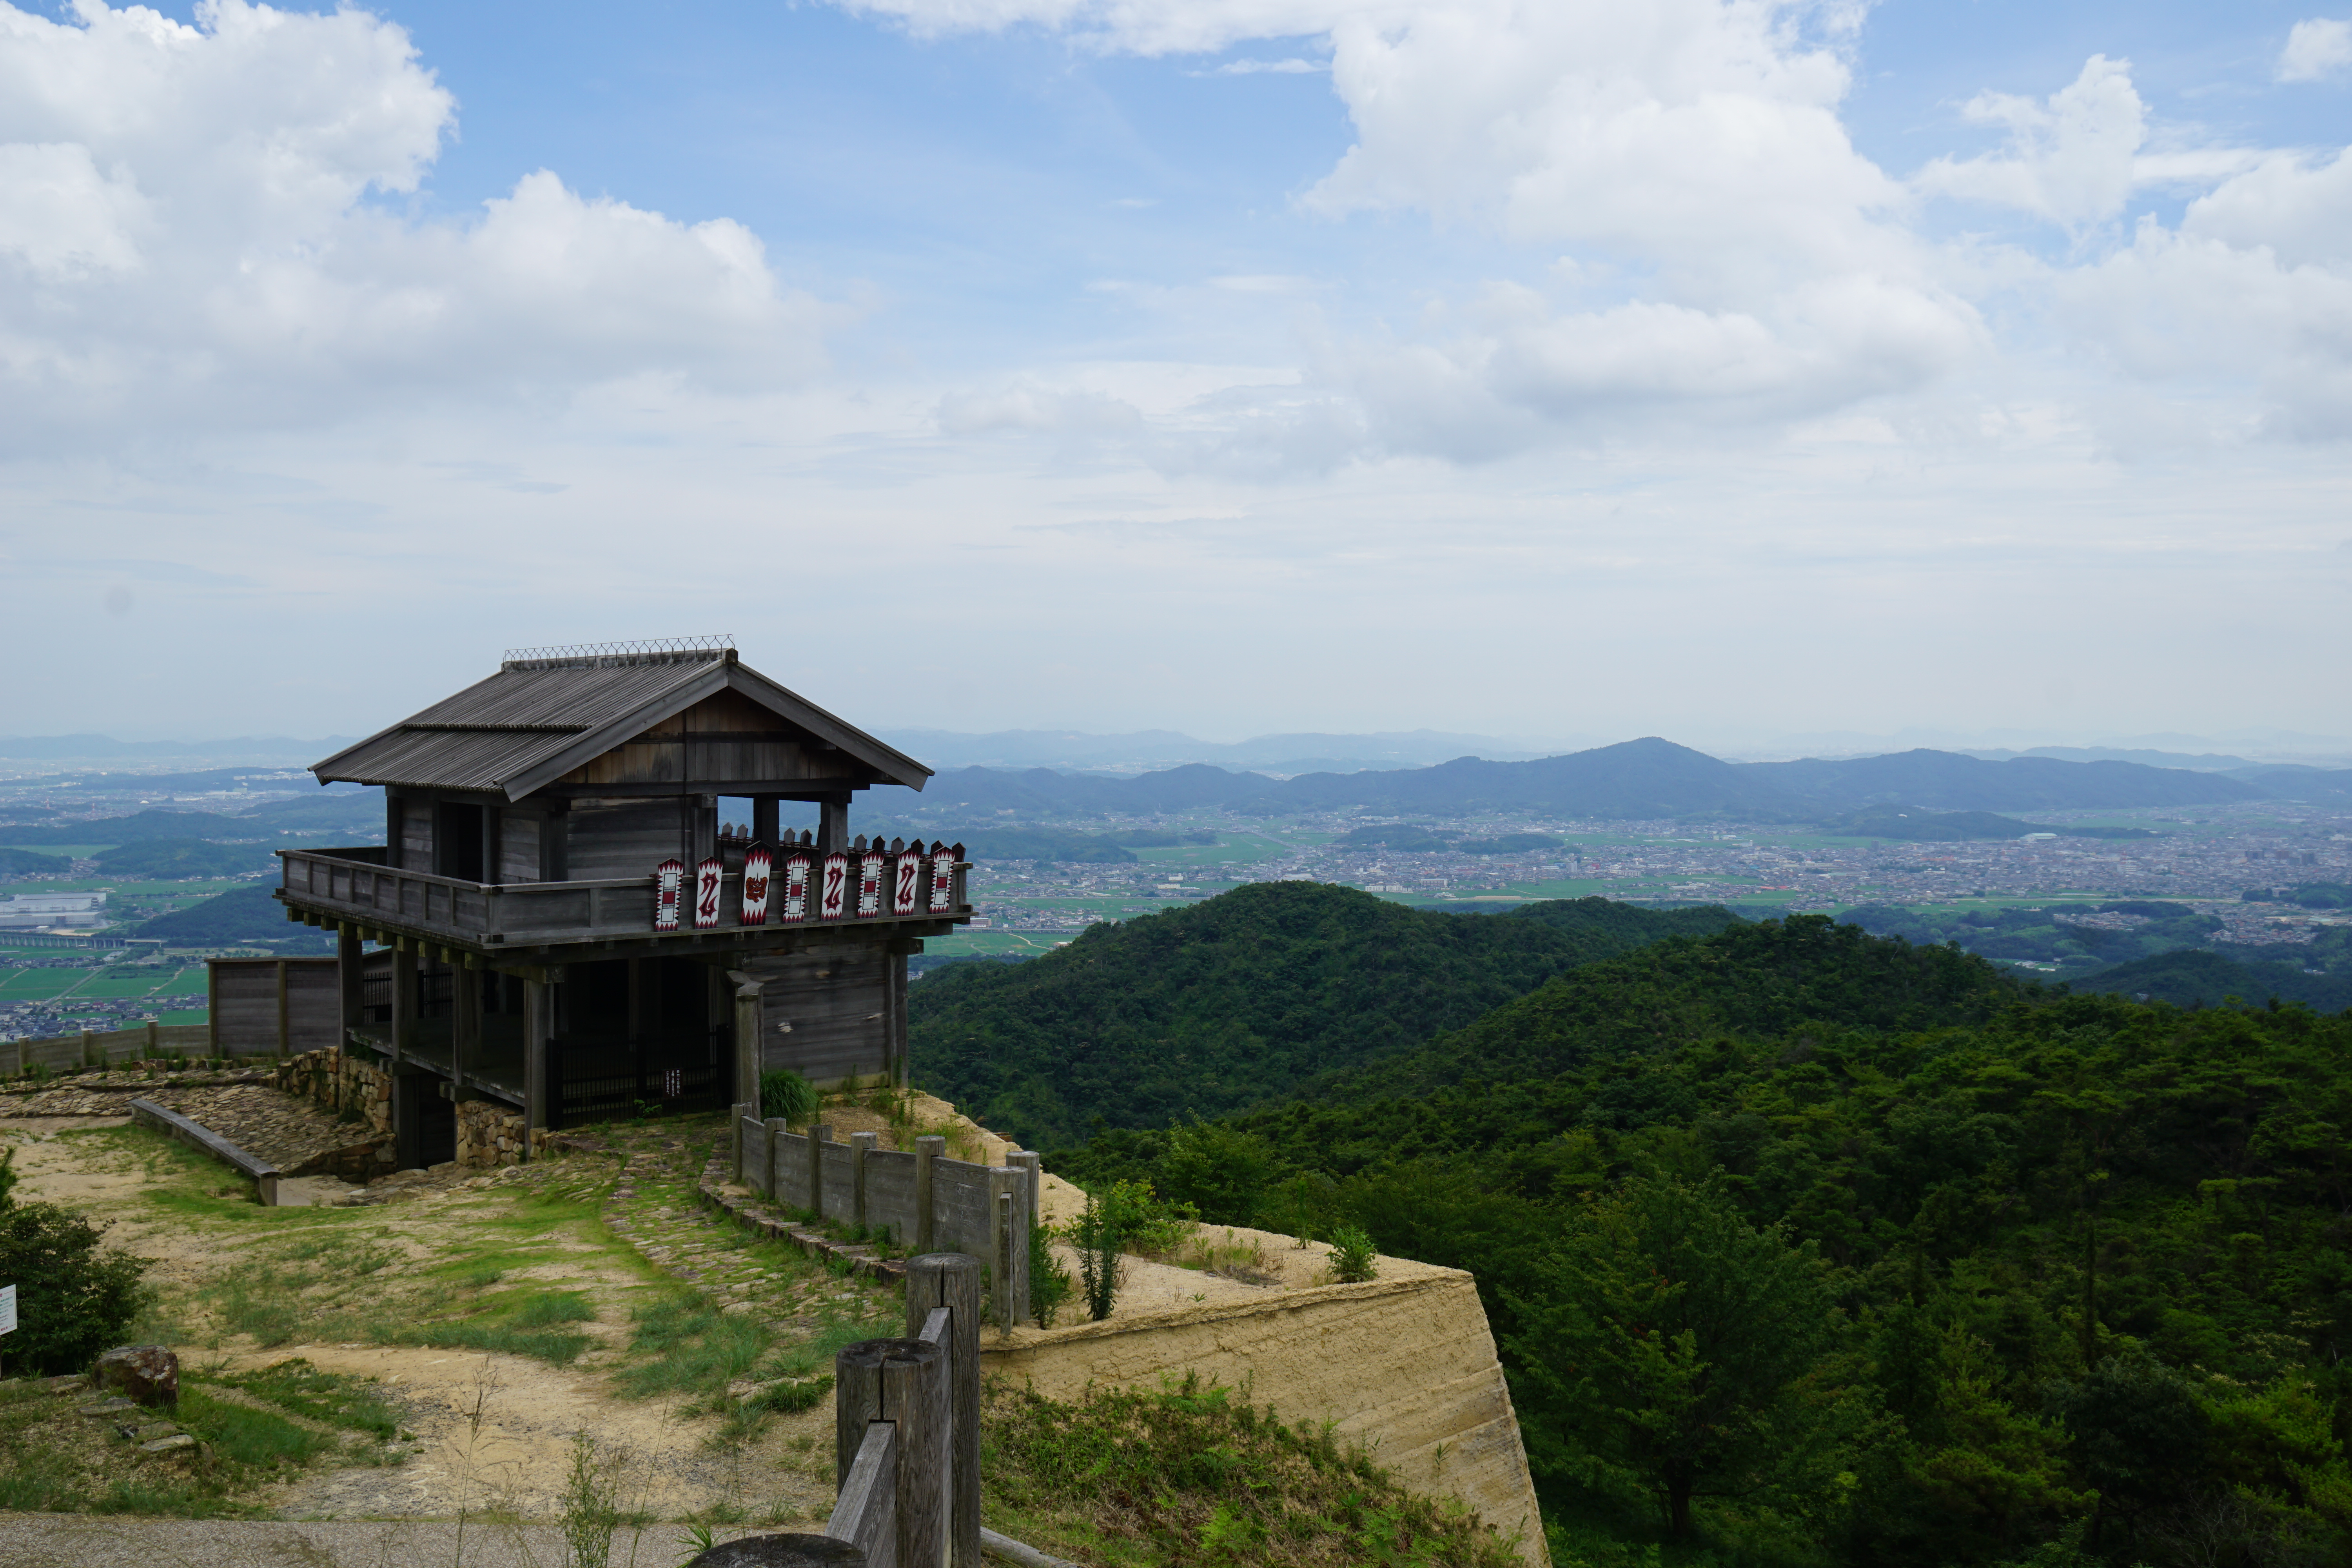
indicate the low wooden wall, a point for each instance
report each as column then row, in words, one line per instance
column 274, row 1007
column 922, row 1198
column 98, row 1048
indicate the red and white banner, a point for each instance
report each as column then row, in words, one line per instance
column 707, row 880
column 869, row 886
column 832, row 902
column 907, row 883
column 943, row 882
column 667, row 878
column 796, row 881
column 757, row 865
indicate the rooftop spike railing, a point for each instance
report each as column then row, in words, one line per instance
column 614, row 655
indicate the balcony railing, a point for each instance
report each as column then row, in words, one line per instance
column 871, row 890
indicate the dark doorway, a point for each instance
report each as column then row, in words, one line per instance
column 436, row 1132
column 457, row 841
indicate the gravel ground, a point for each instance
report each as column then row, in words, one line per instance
column 81, row 1540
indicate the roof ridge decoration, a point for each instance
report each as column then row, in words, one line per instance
column 708, row 648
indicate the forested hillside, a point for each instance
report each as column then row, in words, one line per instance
column 1212, row 1006
column 1807, row 1247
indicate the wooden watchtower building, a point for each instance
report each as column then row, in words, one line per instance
column 564, row 923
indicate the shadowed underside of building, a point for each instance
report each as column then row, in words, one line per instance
column 563, row 924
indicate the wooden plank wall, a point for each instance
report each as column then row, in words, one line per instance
column 836, row 998
column 519, row 847
column 725, row 737
column 626, row 840
column 246, row 1004
column 416, row 835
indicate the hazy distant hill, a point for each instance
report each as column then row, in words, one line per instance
column 1645, row 778
column 1947, row 781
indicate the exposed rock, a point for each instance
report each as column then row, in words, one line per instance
column 106, row 1407
column 149, row 1374
column 151, row 1431
column 172, row 1445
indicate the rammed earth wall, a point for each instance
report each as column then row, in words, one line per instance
column 1403, row 1364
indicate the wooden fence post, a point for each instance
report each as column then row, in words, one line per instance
column 951, row 1279
column 154, row 1041
column 819, row 1135
column 926, row 1150
column 860, row 1146
column 903, row 1382
column 1009, row 1218
column 1022, row 1160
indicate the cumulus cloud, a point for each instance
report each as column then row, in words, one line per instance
column 192, row 223
column 2316, row 48
column 2070, row 160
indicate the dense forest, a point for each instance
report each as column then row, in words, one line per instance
column 1207, row 1007
column 1803, row 1246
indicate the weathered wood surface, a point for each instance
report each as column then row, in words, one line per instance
column 948, row 1283
column 203, row 1140
column 904, row 1382
column 1012, row 1551
column 866, row 1508
column 781, row 1551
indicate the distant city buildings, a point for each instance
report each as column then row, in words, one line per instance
column 53, row 911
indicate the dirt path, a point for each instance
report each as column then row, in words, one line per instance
column 243, row 1287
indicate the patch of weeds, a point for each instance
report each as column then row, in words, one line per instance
column 545, row 1308
column 690, row 1347
column 330, row 1397
column 480, row 1278
column 260, row 1303
column 245, row 1436
column 494, row 1339
column 1191, row 1474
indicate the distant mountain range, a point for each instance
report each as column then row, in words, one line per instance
column 1282, row 755
column 105, row 748
column 1649, row 778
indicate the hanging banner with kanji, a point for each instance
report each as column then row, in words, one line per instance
column 796, row 881
column 908, row 883
column 869, row 886
column 757, row 864
column 942, row 882
column 667, row 878
column 833, row 902
column 707, row 880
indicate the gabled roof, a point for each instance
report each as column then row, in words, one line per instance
column 546, row 714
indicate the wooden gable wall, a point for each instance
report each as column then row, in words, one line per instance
column 724, row 739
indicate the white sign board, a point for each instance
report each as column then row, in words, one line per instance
column 7, row 1309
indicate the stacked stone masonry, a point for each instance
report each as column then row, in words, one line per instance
column 489, row 1134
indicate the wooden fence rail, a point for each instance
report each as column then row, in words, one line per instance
column 905, row 1444
column 920, row 1197
column 98, row 1048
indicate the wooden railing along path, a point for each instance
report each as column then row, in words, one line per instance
column 905, row 1444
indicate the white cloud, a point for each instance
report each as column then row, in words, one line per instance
column 188, row 228
column 1291, row 67
column 2316, row 48
column 2071, row 160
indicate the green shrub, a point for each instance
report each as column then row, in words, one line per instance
column 1353, row 1257
column 1049, row 1278
column 785, row 1095
column 73, row 1301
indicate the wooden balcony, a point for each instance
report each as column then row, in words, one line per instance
column 354, row 886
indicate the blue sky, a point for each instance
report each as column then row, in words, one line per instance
column 1576, row 371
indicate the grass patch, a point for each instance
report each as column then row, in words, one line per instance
column 1189, row 1475
column 244, row 1435
column 545, row 1308
column 690, row 1348
column 330, row 1397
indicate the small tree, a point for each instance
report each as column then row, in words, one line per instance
column 72, row 1299
column 1673, row 1351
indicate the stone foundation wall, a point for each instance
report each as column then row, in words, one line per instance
column 488, row 1134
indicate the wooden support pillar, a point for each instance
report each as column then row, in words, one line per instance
column 894, row 1018
column 351, row 980
column 951, row 1279
column 490, row 845
column 535, row 1031
column 645, row 1005
column 701, row 830
column 927, row 1149
column 904, row 1382
column 819, row 1135
column 284, row 1022
column 404, row 997
column 832, row 824
column 1008, row 1222
column 465, row 1021
column 212, row 1008
column 749, row 1053
column 766, row 821
column 393, row 810
column 554, row 842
